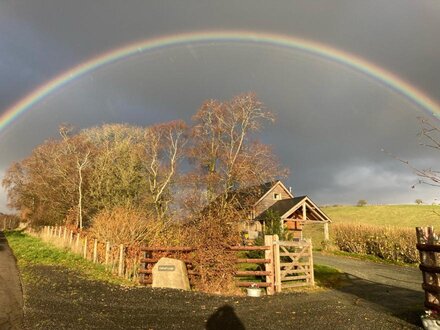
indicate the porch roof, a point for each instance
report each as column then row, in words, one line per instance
column 288, row 207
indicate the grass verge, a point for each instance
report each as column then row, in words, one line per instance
column 327, row 277
column 30, row 250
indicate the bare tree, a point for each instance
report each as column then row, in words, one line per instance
column 429, row 136
column 224, row 150
column 163, row 150
column 77, row 147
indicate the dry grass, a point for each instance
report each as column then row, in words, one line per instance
column 386, row 242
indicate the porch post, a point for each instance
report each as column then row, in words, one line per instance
column 326, row 235
column 304, row 218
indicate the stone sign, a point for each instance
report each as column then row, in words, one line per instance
column 170, row 273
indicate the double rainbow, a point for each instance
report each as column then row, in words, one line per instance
column 319, row 50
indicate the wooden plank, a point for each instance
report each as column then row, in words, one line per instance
column 252, row 272
column 295, row 285
column 248, row 284
column 154, row 260
column 295, row 255
column 299, row 244
column 277, row 261
column 299, row 264
column 430, row 269
column 296, row 278
column 150, row 271
column 312, row 280
column 295, row 271
column 269, row 267
column 431, row 288
column 254, row 261
column 428, row 247
column 431, row 305
column 168, row 248
column 249, row 248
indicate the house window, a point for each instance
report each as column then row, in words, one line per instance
column 276, row 196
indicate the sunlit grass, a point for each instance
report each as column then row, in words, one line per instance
column 326, row 276
column 32, row 251
column 387, row 215
column 380, row 215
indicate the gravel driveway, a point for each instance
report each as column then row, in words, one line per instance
column 61, row 298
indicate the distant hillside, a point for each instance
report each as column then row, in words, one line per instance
column 395, row 215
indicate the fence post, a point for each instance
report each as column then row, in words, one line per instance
column 95, row 250
column 277, row 263
column 426, row 242
column 268, row 254
column 107, row 252
column 77, row 243
column 85, row 247
column 311, row 267
column 121, row 260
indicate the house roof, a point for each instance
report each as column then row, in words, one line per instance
column 254, row 194
column 247, row 196
column 287, row 207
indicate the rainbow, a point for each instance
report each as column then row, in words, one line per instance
column 319, row 50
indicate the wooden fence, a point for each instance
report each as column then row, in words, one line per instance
column 9, row 222
column 286, row 264
column 428, row 244
column 151, row 255
column 117, row 258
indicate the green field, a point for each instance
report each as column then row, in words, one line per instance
column 384, row 215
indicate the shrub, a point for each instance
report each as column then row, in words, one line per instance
column 389, row 243
column 125, row 225
column 212, row 235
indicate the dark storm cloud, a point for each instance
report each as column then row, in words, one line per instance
column 332, row 122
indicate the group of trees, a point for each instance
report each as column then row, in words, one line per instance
column 128, row 184
column 168, row 171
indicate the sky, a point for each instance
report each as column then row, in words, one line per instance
column 332, row 121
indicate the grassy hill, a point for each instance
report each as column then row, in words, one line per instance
column 385, row 215
column 392, row 215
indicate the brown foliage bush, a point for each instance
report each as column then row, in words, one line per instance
column 125, row 225
column 389, row 243
column 212, row 235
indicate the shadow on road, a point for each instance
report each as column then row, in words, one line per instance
column 224, row 318
column 403, row 303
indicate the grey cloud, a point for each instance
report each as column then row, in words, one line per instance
column 332, row 121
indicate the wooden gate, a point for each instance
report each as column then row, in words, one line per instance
column 293, row 264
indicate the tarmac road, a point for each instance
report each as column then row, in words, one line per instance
column 11, row 298
column 386, row 274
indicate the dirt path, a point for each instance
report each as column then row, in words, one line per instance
column 392, row 275
column 11, row 300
